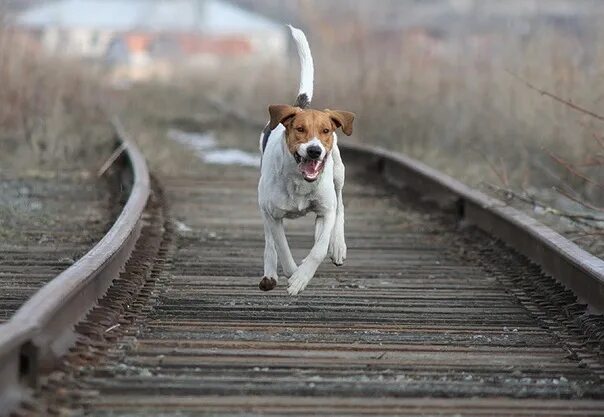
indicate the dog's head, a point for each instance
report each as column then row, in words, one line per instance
column 309, row 134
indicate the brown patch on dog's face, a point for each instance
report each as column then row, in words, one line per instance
column 304, row 125
column 307, row 125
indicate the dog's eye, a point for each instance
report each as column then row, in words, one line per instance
column 300, row 129
column 325, row 130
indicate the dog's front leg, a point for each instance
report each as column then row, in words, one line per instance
column 271, row 277
column 300, row 279
column 275, row 226
column 318, row 229
column 337, row 244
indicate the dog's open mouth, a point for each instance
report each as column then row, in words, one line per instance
column 309, row 168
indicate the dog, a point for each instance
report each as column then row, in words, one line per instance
column 302, row 172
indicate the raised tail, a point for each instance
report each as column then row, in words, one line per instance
column 307, row 70
column 307, row 73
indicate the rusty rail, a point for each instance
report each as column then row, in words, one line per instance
column 577, row 269
column 43, row 328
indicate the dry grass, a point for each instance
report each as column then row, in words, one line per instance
column 468, row 115
column 50, row 108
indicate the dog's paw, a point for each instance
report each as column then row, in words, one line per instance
column 267, row 284
column 297, row 283
column 337, row 252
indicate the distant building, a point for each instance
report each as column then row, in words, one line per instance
column 147, row 38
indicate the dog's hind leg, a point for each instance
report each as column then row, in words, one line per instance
column 337, row 243
column 269, row 281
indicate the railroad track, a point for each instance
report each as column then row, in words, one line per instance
column 42, row 329
column 431, row 315
column 49, row 237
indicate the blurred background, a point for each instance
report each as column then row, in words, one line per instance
column 505, row 95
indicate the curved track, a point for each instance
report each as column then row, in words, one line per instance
column 426, row 317
column 42, row 329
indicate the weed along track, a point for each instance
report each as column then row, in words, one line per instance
column 442, row 308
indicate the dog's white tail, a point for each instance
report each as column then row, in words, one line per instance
column 307, row 69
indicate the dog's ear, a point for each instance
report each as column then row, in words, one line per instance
column 280, row 113
column 342, row 119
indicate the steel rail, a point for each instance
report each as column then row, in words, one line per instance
column 578, row 270
column 42, row 330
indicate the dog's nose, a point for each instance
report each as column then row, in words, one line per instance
column 314, row 152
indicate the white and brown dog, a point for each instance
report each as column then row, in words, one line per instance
column 302, row 172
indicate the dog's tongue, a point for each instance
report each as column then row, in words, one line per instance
column 311, row 168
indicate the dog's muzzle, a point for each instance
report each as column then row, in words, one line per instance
column 309, row 168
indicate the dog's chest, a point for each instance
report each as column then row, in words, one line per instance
column 299, row 207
